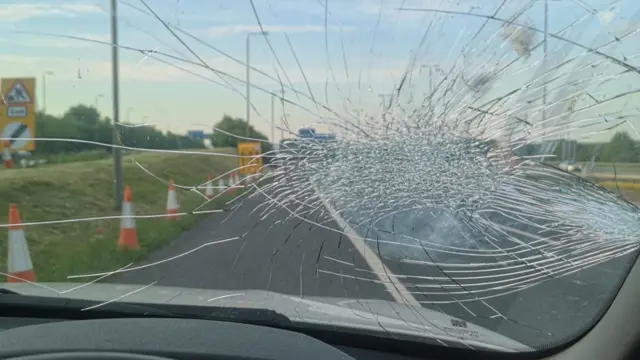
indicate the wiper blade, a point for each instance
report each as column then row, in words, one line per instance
column 232, row 314
column 13, row 304
column 8, row 292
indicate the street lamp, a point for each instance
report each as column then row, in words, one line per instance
column 44, row 89
column 431, row 67
column 248, row 79
column 273, row 126
column 273, row 106
column 544, row 63
column 282, row 118
column 96, row 100
column 117, row 151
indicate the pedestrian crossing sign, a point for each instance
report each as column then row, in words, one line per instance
column 18, row 112
column 18, row 94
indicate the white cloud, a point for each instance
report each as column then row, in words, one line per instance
column 20, row 11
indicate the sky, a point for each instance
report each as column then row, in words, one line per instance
column 182, row 62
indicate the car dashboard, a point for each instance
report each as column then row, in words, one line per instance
column 165, row 338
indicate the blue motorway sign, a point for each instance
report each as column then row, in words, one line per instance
column 196, row 134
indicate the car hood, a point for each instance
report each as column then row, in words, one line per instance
column 363, row 314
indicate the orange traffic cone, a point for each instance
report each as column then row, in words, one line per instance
column 19, row 266
column 6, row 155
column 209, row 190
column 128, row 235
column 172, row 203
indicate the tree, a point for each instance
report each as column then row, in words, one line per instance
column 233, row 130
column 84, row 123
column 586, row 151
column 621, row 148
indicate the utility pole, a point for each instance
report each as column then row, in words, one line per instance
column 283, row 115
column 117, row 151
column 44, row 93
column 96, row 100
column 273, row 125
column 44, row 90
column 248, row 76
column 544, row 64
column 248, row 84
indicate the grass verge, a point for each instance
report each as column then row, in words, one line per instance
column 85, row 190
column 627, row 186
column 629, row 190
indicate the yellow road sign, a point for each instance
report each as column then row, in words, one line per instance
column 18, row 112
column 250, row 157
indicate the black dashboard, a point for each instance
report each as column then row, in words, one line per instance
column 160, row 338
column 155, row 338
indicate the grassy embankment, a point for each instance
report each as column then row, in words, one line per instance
column 85, row 189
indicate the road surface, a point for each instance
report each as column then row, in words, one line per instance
column 285, row 255
column 272, row 254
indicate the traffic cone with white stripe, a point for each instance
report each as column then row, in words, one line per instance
column 19, row 265
column 232, row 183
column 172, row 203
column 208, row 192
column 221, row 186
column 6, row 155
column 128, row 235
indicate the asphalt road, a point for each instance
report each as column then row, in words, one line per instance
column 272, row 254
column 285, row 255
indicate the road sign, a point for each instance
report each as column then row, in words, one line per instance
column 19, row 132
column 196, row 134
column 250, row 157
column 17, row 94
column 18, row 112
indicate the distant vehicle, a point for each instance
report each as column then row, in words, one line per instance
column 570, row 166
column 310, row 133
column 297, row 149
column 306, row 133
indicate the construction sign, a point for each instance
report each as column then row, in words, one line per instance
column 18, row 112
column 250, row 157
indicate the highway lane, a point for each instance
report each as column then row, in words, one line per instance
column 556, row 307
column 285, row 255
column 272, row 254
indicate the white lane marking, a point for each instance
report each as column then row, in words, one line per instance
column 395, row 287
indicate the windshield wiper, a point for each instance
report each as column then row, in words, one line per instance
column 8, row 292
column 13, row 304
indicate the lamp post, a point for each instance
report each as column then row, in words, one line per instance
column 129, row 110
column 96, row 100
column 273, row 126
column 117, row 151
column 44, row 89
column 248, row 77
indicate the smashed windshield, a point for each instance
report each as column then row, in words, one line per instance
column 464, row 171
